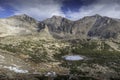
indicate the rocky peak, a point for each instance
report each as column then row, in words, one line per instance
column 19, row 16
column 56, row 17
column 97, row 15
column 59, row 24
column 23, row 17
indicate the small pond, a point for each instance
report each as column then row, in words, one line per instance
column 73, row 57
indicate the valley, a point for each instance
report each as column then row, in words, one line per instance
column 60, row 49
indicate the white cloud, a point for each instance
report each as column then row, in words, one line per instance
column 39, row 9
column 42, row 9
column 104, row 8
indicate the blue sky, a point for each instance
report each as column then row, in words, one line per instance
column 71, row 9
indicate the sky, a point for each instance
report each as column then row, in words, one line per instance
column 71, row 9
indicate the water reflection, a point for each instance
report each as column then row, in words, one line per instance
column 73, row 57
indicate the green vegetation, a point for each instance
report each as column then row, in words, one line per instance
column 37, row 51
column 97, row 55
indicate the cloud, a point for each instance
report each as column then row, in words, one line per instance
column 42, row 9
column 1, row 9
column 39, row 9
column 110, row 8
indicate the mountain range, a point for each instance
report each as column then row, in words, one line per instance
column 95, row 27
column 32, row 49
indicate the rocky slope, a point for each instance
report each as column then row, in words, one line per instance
column 30, row 47
column 90, row 26
column 95, row 26
column 59, row 27
column 18, row 25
